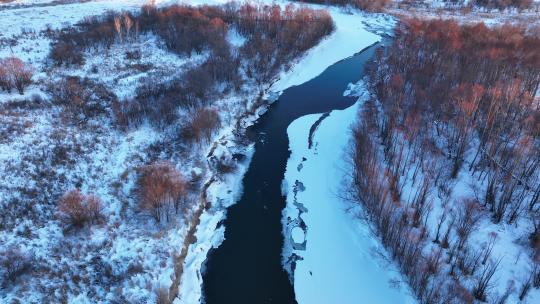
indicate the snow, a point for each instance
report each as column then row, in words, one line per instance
column 39, row 18
column 29, row 93
column 340, row 262
column 446, row 10
column 124, row 75
column 235, row 38
column 30, row 43
column 337, row 254
column 333, row 247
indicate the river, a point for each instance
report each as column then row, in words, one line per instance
column 247, row 267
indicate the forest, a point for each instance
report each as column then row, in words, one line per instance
column 452, row 104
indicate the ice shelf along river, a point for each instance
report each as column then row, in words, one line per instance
column 247, row 266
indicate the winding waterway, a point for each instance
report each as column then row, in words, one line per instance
column 247, row 268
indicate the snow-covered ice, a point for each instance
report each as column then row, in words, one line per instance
column 342, row 260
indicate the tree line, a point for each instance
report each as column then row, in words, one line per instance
column 450, row 100
column 366, row 5
column 504, row 4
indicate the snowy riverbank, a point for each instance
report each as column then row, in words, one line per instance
column 340, row 260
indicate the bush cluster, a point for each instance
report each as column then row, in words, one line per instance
column 13, row 263
column 78, row 209
column 161, row 188
column 15, row 74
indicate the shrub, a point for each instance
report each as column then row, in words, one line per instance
column 202, row 125
column 371, row 5
column 5, row 84
column 133, row 55
column 14, row 73
column 13, row 263
column 79, row 209
column 81, row 98
column 93, row 207
column 64, row 53
column 504, row 4
column 160, row 187
column 225, row 166
column 71, row 92
column 162, row 295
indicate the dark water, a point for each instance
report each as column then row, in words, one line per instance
column 246, row 268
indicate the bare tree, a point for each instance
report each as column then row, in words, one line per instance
column 203, row 123
column 484, row 280
column 468, row 214
column 79, row 209
column 128, row 23
column 118, row 27
column 525, row 287
column 440, row 222
column 489, row 247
